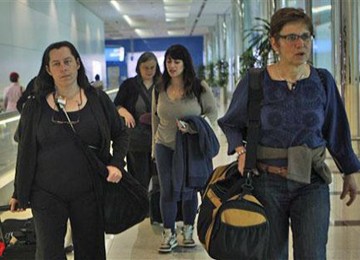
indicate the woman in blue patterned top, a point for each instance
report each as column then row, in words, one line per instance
column 302, row 115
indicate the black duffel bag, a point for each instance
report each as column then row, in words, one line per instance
column 125, row 204
column 232, row 223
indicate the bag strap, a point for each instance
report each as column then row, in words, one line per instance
column 256, row 76
column 84, row 147
column 145, row 98
column 322, row 78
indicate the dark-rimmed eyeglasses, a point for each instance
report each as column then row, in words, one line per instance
column 292, row 37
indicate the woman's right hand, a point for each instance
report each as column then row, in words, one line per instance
column 14, row 203
column 129, row 119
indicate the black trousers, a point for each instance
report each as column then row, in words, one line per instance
column 50, row 218
column 141, row 166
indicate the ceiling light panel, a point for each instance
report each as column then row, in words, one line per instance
column 177, row 2
column 176, row 32
column 176, row 15
column 177, row 8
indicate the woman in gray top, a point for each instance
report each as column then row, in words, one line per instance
column 181, row 95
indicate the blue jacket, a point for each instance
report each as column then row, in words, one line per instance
column 193, row 155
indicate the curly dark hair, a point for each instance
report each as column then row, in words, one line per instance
column 44, row 83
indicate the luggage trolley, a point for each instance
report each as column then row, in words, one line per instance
column 17, row 237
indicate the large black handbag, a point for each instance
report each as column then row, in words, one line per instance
column 125, row 204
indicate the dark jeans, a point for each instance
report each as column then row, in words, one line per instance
column 168, row 207
column 305, row 207
column 50, row 217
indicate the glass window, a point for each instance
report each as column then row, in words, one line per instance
column 322, row 45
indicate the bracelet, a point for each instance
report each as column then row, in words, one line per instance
column 241, row 152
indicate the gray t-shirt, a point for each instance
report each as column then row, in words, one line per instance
column 168, row 111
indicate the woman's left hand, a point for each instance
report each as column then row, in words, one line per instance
column 349, row 186
column 114, row 175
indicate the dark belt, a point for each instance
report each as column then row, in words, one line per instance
column 282, row 171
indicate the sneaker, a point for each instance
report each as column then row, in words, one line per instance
column 187, row 232
column 169, row 241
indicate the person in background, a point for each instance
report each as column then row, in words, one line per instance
column 53, row 175
column 181, row 95
column 29, row 91
column 133, row 101
column 302, row 115
column 12, row 93
column 97, row 83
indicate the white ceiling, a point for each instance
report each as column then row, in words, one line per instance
column 148, row 17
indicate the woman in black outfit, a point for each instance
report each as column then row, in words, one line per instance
column 52, row 172
column 133, row 101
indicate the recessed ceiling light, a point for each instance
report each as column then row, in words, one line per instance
column 116, row 5
column 177, row 2
column 177, row 15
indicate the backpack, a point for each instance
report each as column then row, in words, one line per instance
column 232, row 223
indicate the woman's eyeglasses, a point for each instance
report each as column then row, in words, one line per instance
column 292, row 37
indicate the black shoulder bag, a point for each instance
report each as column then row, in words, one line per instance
column 140, row 135
column 123, row 204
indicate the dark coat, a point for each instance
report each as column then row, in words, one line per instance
column 128, row 94
column 110, row 125
column 193, row 156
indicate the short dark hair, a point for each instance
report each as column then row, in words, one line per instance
column 97, row 77
column 287, row 15
column 14, row 76
column 44, row 83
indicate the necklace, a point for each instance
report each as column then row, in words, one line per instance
column 62, row 101
column 290, row 83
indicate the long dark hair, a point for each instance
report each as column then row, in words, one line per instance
column 191, row 83
column 44, row 83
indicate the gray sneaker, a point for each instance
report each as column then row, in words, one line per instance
column 188, row 236
column 169, row 241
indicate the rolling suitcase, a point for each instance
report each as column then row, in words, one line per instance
column 154, row 202
column 17, row 238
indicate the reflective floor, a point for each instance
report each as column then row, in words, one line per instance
column 143, row 240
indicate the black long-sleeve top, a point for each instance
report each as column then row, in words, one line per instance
column 110, row 126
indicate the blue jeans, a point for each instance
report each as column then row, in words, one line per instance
column 168, row 206
column 305, row 207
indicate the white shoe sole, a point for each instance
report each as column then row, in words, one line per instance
column 168, row 250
